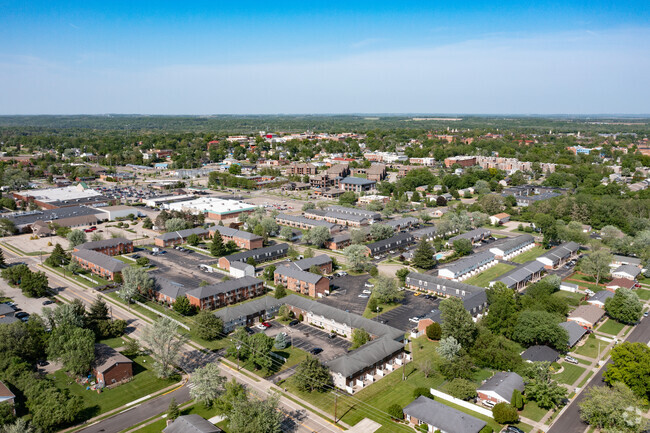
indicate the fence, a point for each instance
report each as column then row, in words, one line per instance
column 462, row 403
column 153, row 310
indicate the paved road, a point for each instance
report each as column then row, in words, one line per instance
column 569, row 421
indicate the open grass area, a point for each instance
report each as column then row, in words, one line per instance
column 292, row 355
column 590, row 347
column 643, row 294
column 572, row 299
column 532, row 411
column 483, row 279
column 570, row 374
column 611, row 327
column 529, row 255
column 114, row 342
column 383, row 308
column 144, row 383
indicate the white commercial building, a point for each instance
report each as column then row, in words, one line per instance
column 212, row 207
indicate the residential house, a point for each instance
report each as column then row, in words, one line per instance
column 440, row 417
column 499, row 219
column 568, row 287
column 426, row 234
column 469, row 266
column 540, row 354
column 473, row 236
column 180, row 237
column 302, row 282
column 246, row 313
column 225, row 293
column 7, row 314
column 98, row 263
column 574, row 330
column 629, row 272
column 499, row 388
column 618, row 283
column 243, row 239
column 524, row 274
column 474, row 298
column 259, row 255
column 586, row 316
column 110, row 247
column 6, row 396
column 560, row 255
column 506, row 249
column 598, row 299
column 624, row 260
column 110, row 366
column 397, row 242
column 192, row 423
column 371, row 216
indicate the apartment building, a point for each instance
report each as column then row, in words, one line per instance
column 560, row 255
column 301, row 169
column 469, row 266
column 301, row 282
column 110, row 247
column 397, row 242
column 225, row 293
column 179, row 237
column 357, row 184
column 98, row 263
column 243, row 239
column 303, row 223
column 322, row 261
column 259, row 255
column 506, row 249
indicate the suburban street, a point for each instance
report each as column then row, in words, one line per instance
column 569, row 421
column 297, row 418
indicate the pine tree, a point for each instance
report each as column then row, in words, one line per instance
column 173, row 410
column 217, row 248
column 423, row 257
column 2, row 258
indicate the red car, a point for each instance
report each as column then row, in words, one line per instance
column 266, row 324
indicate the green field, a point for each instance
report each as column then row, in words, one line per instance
column 292, row 355
column 483, row 279
column 590, row 348
column 529, row 255
column 144, row 383
column 572, row 299
column 611, row 327
column 532, row 411
column 643, row 294
column 570, row 374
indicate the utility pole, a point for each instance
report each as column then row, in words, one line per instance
column 336, row 400
column 404, row 366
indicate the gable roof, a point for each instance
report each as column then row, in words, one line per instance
column 574, row 330
column 273, row 250
column 387, row 243
column 6, row 309
column 182, row 234
column 512, row 244
column 540, row 353
column 104, row 243
column 234, row 233
column 106, row 357
column 223, row 287
column 560, row 252
column 479, row 232
column 628, row 269
column 5, row 393
column 621, row 282
column 192, row 423
column 101, row 260
column 503, row 384
column 442, row 416
column 470, row 262
column 229, row 314
column 169, row 288
column 367, row 355
column 521, row 273
column 305, row 264
column 291, row 272
column 590, row 313
column 306, row 221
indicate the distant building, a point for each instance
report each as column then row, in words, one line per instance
column 469, row 266
column 246, row 313
column 357, row 184
column 301, row 169
column 179, row 237
column 376, row 172
column 338, row 242
column 463, row 161
column 259, row 255
column 499, row 219
column 225, row 293
column 69, row 196
column 243, row 239
column 397, row 242
column 560, row 255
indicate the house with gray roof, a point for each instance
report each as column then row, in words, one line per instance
column 499, row 388
column 357, row 184
column 372, row 216
column 302, row 282
column 241, row 238
column 506, row 249
column 540, row 353
column 473, row 236
column 469, row 266
column 321, row 261
column 246, row 313
column 519, row 277
column 575, row 331
column 438, row 416
column 192, row 423
column 110, row 247
column 426, row 234
column 402, row 224
column 629, row 272
column 558, row 256
column 618, row 260
column 7, row 314
column 397, row 242
column 98, row 263
column 259, row 255
column 180, row 236
column 337, row 217
column 303, row 223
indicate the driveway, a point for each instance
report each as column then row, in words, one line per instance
column 411, row 306
column 183, row 267
column 345, row 295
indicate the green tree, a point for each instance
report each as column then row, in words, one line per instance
column 256, row 416
column 233, row 392
column 207, row 384
column 19, row 426
column 280, row 341
column 193, row 239
column 208, row 326
column 311, row 375
column 280, row 292
column 73, row 347
column 357, row 257
column 286, row 233
column 260, row 346
column 34, row 284
column 76, row 237
column 596, row 264
column 234, row 169
column 424, row 256
column 165, row 343
column 541, row 388
column 381, row 231
column 540, row 327
column 449, row 348
column 457, row 322
column 631, row 366
column 7, row 227
column 625, row 306
column 269, row 272
column 386, row 290
column 401, row 275
column 98, row 312
column 495, row 351
column 504, row 413
column 359, row 337
column 173, row 411
column 317, row 236
column 175, row 224
column 434, row 331
column 372, row 304
column 147, row 223
column 182, row 305
column 134, row 281
column 395, row 411
column 3, row 263
column 358, row 236
column 462, row 389
column 348, row 198
column 503, row 309
column 217, row 248
column 58, row 257
column 6, row 414
column 463, row 247
column 614, row 409
column 142, row 261
column 517, row 400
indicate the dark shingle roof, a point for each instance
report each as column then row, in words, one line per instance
column 273, row 250
column 367, row 355
column 503, row 384
column 560, row 252
column 234, row 233
column 299, row 275
column 106, row 357
column 521, row 273
column 200, row 231
column 442, row 416
column 104, row 243
column 512, row 244
column 102, row 260
column 249, row 308
column 319, row 260
column 192, row 423
column 169, row 288
column 223, row 287
column 574, row 330
column 540, row 353
column 398, row 241
column 479, row 232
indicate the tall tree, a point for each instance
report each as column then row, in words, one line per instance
column 311, row 375
column 596, row 264
column 260, row 346
column 359, row 337
column 76, row 237
column 207, row 384
column 207, row 326
column 165, row 344
column 386, row 291
column 217, row 248
column 541, row 388
column 463, row 247
column 317, row 236
column 74, row 347
column 625, row 306
column 540, row 327
column 357, row 257
column 503, row 309
column 381, row 231
column 247, row 416
column 457, row 322
column 614, row 409
column 631, row 366
column 424, row 256
column 137, row 279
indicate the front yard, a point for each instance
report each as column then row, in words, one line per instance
column 590, row 347
column 483, row 279
column 570, row 374
column 611, row 327
column 529, row 255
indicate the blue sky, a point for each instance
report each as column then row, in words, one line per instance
column 324, row 57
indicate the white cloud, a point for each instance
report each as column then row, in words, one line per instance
column 559, row 73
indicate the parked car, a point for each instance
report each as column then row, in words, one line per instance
column 488, row 403
column 645, row 314
column 414, row 319
column 513, row 429
column 570, row 359
column 332, row 335
column 315, row 350
column 367, row 292
column 266, row 324
column 249, row 330
column 369, row 285
column 48, row 302
column 363, row 295
column 294, row 322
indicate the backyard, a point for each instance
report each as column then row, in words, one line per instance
column 483, row 279
column 572, row 299
column 529, row 255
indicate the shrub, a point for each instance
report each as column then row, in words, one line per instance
column 517, row 400
column 395, row 411
column 422, row 391
column 505, row 413
column 487, row 429
column 300, row 317
column 434, row 332
column 462, row 388
column 373, row 271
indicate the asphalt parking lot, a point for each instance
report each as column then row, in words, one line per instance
column 307, row 337
column 411, row 306
column 182, row 267
column 345, row 295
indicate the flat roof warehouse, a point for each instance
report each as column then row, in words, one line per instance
column 211, row 205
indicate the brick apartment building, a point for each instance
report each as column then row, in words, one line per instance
column 322, row 261
column 243, row 239
column 98, row 263
column 301, row 169
column 463, row 161
column 179, row 237
column 110, row 247
column 260, row 255
column 376, row 172
column 302, row 282
column 324, row 181
column 225, row 293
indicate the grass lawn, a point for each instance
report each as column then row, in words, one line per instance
column 483, row 279
column 383, row 308
column 144, row 383
column 586, row 378
column 292, row 355
column 572, row 299
column 570, row 374
column 643, row 294
column 113, row 342
column 611, row 327
column 529, row 255
column 590, row 347
column 532, row 411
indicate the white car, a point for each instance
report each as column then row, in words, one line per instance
column 364, row 296
column 369, row 285
column 414, row 319
column 570, row 359
column 488, row 403
column 367, row 292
